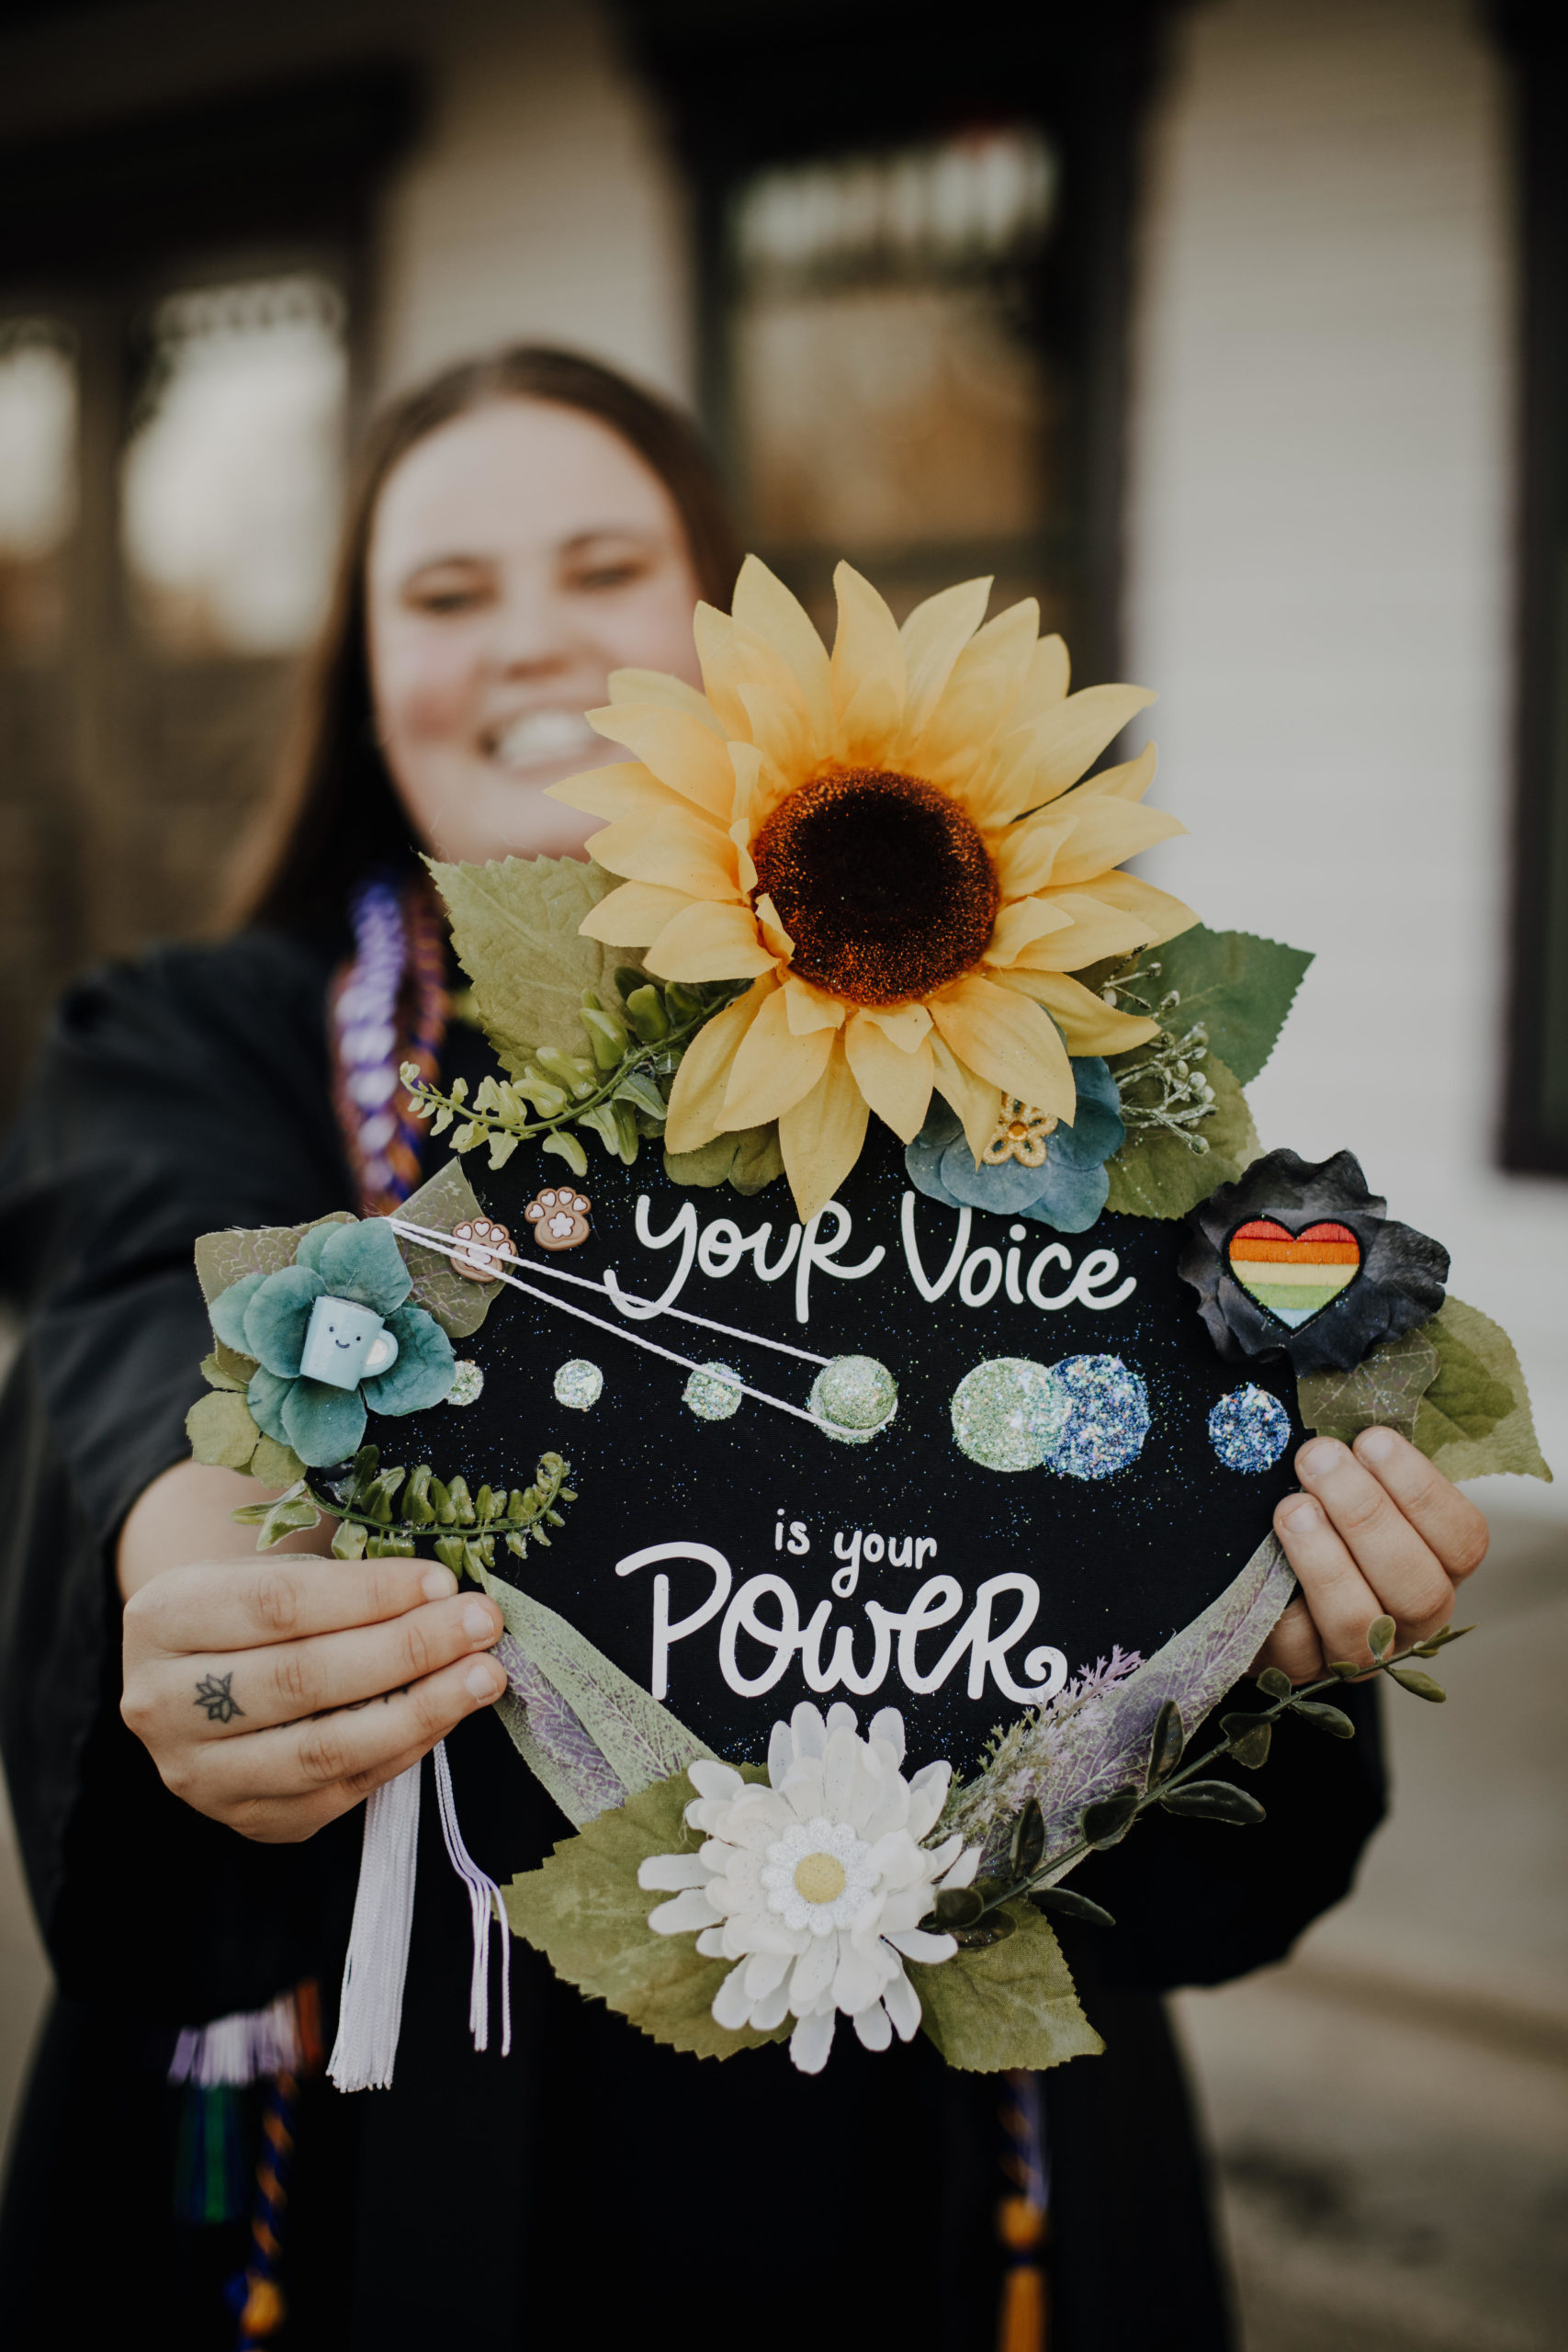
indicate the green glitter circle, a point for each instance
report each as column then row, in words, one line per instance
column 579, row 1385
column 853, row 1398
column 1007, row 1413
column 467, row 1380
column 713, row 1392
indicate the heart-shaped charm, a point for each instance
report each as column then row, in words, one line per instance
column 1294, row 1275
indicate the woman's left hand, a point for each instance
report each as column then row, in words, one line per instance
column 1376, row 1532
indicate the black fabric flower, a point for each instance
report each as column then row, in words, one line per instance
column 1302, row 1261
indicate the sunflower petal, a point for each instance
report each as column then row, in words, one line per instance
column 709, row 942
column 976, row 1102
column 1128, row 782
column 869, row 722
column 778, row 724
column 765, row 606
column 696, row 1098
column 677, row 849
column 1078, row 730
column 1020, row 924
column 933, row 637
column 897, row 1084
column 904, row 1024
column 1089, row 1026
column 1089, row 931
column 624, row 789
column 811, row 1008
column 1025, row 854
column 774, row 1067
column 980, row 695
column 820, row 1137
column 867, row 644
column 1050, row 674
column 775, row 935
column 658, row 686
column 1022, row 1056
column 1105, row 833
column 1165, row 916
column 681, row 750
column 633, row 915
column 715, row 633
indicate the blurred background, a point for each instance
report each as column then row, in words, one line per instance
column 1237, row 333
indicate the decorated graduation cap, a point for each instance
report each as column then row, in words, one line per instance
column 876, row 1340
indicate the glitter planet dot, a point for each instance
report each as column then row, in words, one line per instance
column 579, row 1385
column 712, row 1392
column 1107, row 1418
column 853, row 1398
column 1007, row 1413
column 1250, row 1430
column 467, row 1380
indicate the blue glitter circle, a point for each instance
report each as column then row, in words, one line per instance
column 1108, row 1417
column 1250, row 1430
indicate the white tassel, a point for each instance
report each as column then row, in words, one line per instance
column 242, row 2048
column 371, row 2011
column 484, row 1903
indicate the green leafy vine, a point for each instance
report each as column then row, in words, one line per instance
column 618, row 1090
column 387, row 1514
column 974, row 1916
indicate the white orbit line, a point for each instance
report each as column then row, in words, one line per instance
column 618, row 1330
column 498, row 1258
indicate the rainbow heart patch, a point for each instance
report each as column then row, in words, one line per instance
column 1294, row 1275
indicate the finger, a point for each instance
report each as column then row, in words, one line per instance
column 289, row 1821
column 1337, row 1597
column 1293, row 1646
column 355, row 1745
column 1404, row 1573
column 228, row 1605
column 249, row 1690
column 1454, row 1531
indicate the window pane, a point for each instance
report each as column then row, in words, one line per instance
column 890, row 394
column 233, row 475
column 37, row 480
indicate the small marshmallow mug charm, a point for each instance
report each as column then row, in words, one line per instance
column 558, row 1216
column 347, row 1343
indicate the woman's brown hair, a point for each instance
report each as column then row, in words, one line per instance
column 334, row 815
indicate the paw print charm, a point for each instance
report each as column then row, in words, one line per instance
column 479, row 1243
column 560, row 1219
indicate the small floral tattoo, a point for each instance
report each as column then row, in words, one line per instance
column 214, row 1693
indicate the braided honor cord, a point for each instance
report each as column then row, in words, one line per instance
column 386, row 1006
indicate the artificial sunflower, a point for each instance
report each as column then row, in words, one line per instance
column 885, row 843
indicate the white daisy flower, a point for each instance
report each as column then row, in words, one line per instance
column 815, row 1882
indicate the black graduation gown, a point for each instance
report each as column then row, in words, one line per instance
column 593, row 2185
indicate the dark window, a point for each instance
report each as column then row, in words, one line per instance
column 1534, row 1133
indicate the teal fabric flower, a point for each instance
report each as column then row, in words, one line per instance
column 267, row 1317
column 1068, row 1190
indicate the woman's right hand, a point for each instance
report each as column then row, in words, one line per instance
column 275, row 1693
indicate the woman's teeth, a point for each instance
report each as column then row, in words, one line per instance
column 538, row 737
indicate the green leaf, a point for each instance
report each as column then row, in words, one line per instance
column 1165, row 1747
column 1249, row 1736
column 457, row 1304
column 1421, row 1686
column 1013, row 2005
column 275, row 1465
column 222, row 1433
column 586, row 1913
column 1476, row 1418
column 221, row 1259
column 1239, row 986
column 514, row 925
column 348, row 1543
column 748, row 1160
column 957, row 1907
column 1108, row 1822
column 1332, row 1720
column 1154, row 1174
column 1028, row 1848
column 221, row 1369
column 1384, row 1391
column 1065, row 1903
column 566, row 1147
column 1214, row 1800
column 1379, row 1636
column 1275, row 1684
column 289, row 1513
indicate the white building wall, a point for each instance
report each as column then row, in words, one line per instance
column 1320, row 589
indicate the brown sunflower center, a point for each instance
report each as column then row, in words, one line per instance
column 882, row 882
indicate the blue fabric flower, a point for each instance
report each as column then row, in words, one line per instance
column 1068, row 1190
column 267, row 1317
